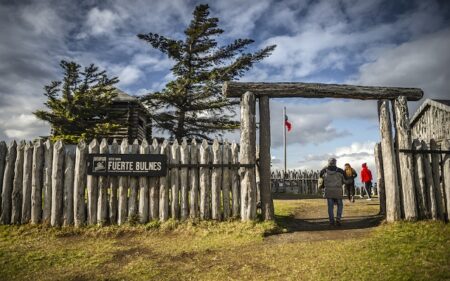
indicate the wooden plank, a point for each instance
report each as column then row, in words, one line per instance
column 122, row 213
column 3, row 153
column 154, row 187
column 389, row 165
column 247, row 156
column 143, row 187
column 319, row 90
column 113, row 187
column 16, row 208
column 133, row 199
column 406, row 170
column 48, row 160
column 36, row 181
column 184, row 180
column 79, row 204
column 92, row 188
column 226, row 181
column 27, row 172
column 56, row 217
column 164, row 187
column 380, row 180
column 102, row 199
column 235, row 182
column 430, row 186
column 69, row 167
column 446, row 176
column 267, row 207
column 216, row 181
column 419, row 172
column 8, row 180
column 205, row 188
column 175, row 181
column 194, row 181
column 435, row 168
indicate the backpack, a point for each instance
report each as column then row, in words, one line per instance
column 333, row 181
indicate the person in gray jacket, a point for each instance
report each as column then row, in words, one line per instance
column 333, row 179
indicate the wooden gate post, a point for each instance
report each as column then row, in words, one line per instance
column 380, row 178
column 248, row 156
column 264, row 158
column 406, row 168
column 389, row 164
column 446, row 176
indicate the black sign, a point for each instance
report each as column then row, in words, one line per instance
column 149, row 165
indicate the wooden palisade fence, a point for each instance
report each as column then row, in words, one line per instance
column 296, row 181
column 45, row 182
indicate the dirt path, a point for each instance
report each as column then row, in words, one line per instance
column 310, row 221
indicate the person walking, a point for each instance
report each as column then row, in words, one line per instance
column 333, row 179
column 349, row 181
column 366, row 179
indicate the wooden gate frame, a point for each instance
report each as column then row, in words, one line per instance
column 393, row 177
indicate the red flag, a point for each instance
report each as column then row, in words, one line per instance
column 287, row 123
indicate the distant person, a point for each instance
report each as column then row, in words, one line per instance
column 333, row 179
column 366, row 179
column 349, row 181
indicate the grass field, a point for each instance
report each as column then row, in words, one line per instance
column 232, row 250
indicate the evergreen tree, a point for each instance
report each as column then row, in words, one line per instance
column 79, row 104
column 192, row 105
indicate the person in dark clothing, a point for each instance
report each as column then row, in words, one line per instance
column 333, row 179
column 366, row 179
column 349, row 181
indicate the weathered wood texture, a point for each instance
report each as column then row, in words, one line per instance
column 164, row 183
column 446, row 176
column 79, row 204
column 405, row 160
column 122, row 212
column 69, row 175
column 380, row 180
column 133, row 198
column 205, row 188
column 267, row 207
column 3, row 153
column 184, row 180
column 431, row 121
column 92, row 188
column 143, row 188
column 175, row 181
column 419, row 178
column 295, row 181
column 36, row 182
column 8, row 180
column 430, row 186
column 235, row 182
column 102, row 199
column 194, row 182
column 318, row 90
column 247, row 156
column 436, row 169
column 27, row 173
column 16, row 207
column 56, row 218
column 389, row 165
column 48, row 160
column 216, row 181
column 113, row 187
column 154, row 187
column 226, row 181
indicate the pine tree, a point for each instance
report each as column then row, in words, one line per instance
column 192, row 105
column 79, row 104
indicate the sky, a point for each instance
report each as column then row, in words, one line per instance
column 375, row 43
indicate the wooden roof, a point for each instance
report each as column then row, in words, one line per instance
column 441, row 104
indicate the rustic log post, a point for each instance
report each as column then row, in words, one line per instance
column 380, row 180
column 92, row 188
column 235, row 182
column 204, row 181
column 154, row 186
column 3, row 153
column 122, row 212
column 446, row 176
column 248, row 156
column 405, row 159
column 27, row 172
column 8, row 180
column 69, row 167
column 143, row 187
column 389, row 165
column 430, row 186
column 164, row 186
column 16, row 208
column 265, row 158
column 257, row 176
column 79, row 184
column 419, row 172
column 184, row 180
column 226, row 180
column 36, row 182
column 102, row 201
column 133, row 199
column 194, row 181
column 57, row 184
column 48, row 160
column 113, row 187
column 435, row 168
column 175, row 180
column 216, row 181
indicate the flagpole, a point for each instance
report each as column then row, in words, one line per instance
column 284, row 140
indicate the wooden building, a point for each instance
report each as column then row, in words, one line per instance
column 432, row 121
column 135, row 117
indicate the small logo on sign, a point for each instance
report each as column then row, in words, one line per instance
column 99, row 164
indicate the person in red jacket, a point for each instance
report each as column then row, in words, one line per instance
column 366, row 179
